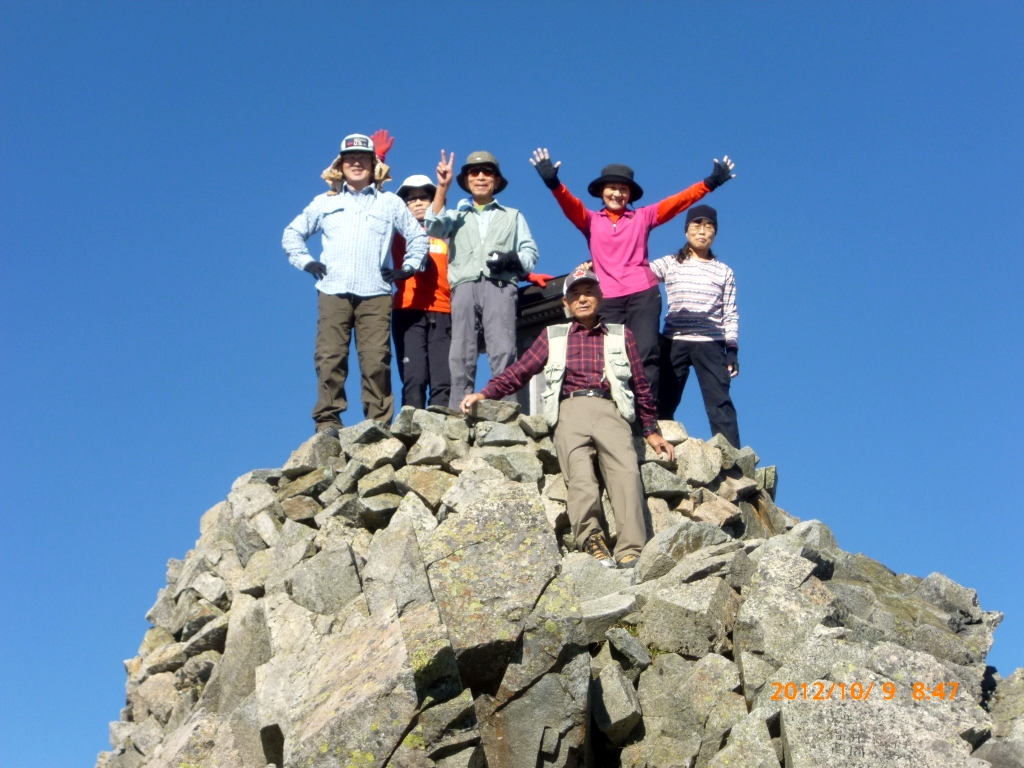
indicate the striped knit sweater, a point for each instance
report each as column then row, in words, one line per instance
column 701, row 300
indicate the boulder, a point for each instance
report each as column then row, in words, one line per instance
column 412, row 511
column 698, row 463
column 373, row 455
column 661, row 553
column 363, row 433
column 487, row 566
column 661, row 483
column 517, row 464
column 325, row 582
column 430, row 448
column 380, row 480
column 691, row 619
column 496, row 434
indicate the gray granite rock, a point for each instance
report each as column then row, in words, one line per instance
column 750, row 746
column 672, row 431
column 534, row 426
column 412, row 511
column 691, row 619
column 615, row 704
column 316, row 452
column 311, row 484
column 373, row 455
column 517, row 464
column 590, row 579
column 411, row 422
column 601, row 613
column 715, row 510
column 630, row 648
column 733, row 489
column 246, row 648
column 545, row 726
column 347, row 699
column 380, row 480
column 301, row 509
column 394, row 574
column 363, row 433
column 496, row 434
column 698, row 463
column 487, row 566
column 661, row 553
column 495, row 410
column 661, row 483
column 429, row 484
column 325, row 582
column 767, row 479
column 430, row 449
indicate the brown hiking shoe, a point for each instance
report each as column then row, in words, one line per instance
column 628, row 561
column 594, row 546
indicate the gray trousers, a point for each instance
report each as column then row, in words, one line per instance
column 488, row 306
column 589, row 427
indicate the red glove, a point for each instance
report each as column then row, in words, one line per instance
column 539, row 280
column 382, row 143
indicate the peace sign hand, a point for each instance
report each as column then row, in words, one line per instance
column 445, row 172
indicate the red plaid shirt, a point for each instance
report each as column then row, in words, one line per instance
column 584, row 369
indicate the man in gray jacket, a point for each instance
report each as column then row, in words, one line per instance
column 490, row 246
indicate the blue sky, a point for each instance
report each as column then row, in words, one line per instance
column 155, row 343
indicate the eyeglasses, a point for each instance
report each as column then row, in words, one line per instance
column 701, row 226
column 481, row 171
column 414, row 198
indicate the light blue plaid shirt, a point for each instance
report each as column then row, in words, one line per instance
column 357, row 231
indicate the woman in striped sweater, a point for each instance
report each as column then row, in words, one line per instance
column 702, row 325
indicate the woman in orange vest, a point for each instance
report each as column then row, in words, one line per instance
column 421, row 316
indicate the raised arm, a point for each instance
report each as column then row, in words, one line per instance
column 672, row 206
column 572, row 206
column 437, row 221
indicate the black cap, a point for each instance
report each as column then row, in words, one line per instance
column 702, row 212
column 616, row 173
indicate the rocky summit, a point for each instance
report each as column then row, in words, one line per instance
column 407, row 595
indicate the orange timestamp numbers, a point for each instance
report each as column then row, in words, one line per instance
column 857, row 691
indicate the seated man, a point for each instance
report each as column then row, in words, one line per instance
column 595, row 387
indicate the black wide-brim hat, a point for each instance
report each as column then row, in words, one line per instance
column 616, row 174
column 476, row 159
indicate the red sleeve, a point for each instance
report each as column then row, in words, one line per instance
column 397, row 250
column 645, row 407
column 514, row 378
column 573, row 208
column 672, row 206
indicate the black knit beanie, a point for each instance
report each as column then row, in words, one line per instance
column 702, row 212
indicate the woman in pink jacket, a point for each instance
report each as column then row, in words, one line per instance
column 617, row 236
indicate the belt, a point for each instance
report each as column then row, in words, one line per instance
column 589, row 393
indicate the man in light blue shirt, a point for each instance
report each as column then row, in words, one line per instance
column 490, row 247
column 357, row 222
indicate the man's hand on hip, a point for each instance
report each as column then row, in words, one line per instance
column 317, row 269
column 662, row 446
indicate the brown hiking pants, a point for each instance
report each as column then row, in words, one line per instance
column 371, row 319
column 589, row 426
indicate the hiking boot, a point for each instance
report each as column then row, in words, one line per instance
column 328, row 428
column 594, row 546
column 628, row 561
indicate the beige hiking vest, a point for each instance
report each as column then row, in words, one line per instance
column 616, row 370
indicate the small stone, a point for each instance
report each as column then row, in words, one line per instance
column 456, row 428
column 662, row 517
column 268, row 527
column 155, row 637
column 516, row 464
column 554, row 488
column 210, row 638
column 413, row 422
column 661, row 553
column 746, row 460
column 166, row 659
column 375, row 512
column 715, row 510
column 636, row 653
column 735, row 489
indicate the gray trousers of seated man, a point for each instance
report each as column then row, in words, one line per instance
column 589, row 426
column 489, row 305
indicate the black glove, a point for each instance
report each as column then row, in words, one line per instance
column 548, row 172
column 394, row 275
column 732, row 360
column 720, row 174
column 503, row 261
column 317, row 269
